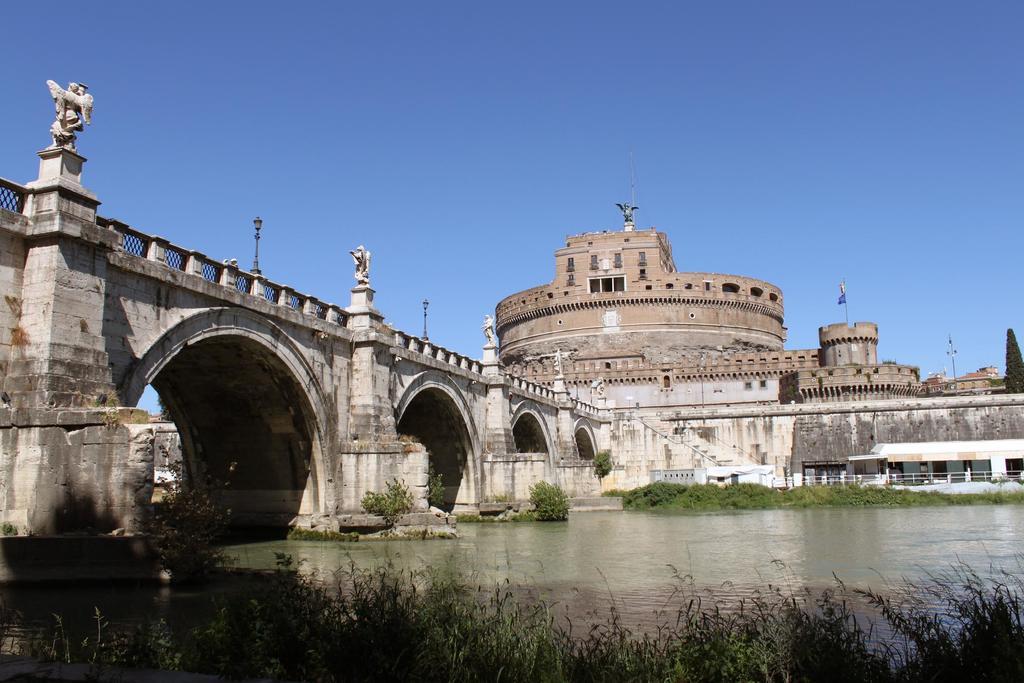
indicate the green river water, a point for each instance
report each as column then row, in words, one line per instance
column 642, row 562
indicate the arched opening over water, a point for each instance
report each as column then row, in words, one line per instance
column 528, row 435
column 584, row 444
column 246, row 426
column 434, row 419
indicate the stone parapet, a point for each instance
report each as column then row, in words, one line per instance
column 850, row 383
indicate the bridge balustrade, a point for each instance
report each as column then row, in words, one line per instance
column 12, row 196
column 224, row 274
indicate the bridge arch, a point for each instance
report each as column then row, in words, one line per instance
column 529, row 430
column 249, row 409
column 434, row 411
column 586, row 441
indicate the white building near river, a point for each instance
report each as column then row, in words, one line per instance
column 941, row 461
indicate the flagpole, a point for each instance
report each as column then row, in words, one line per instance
column 846, row 305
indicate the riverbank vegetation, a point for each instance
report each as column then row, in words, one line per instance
column 388, row 625
column 550, row 502
column 667, row 496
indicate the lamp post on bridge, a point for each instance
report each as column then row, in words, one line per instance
column 952, row 357
column 425, row 304
column 258, row 222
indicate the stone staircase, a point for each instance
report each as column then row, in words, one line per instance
column 705, row 452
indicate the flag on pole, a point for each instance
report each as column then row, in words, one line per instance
column 842, row 293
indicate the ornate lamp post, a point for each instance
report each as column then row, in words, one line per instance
column 425, row 304
column 258, row 222
column 952, row 359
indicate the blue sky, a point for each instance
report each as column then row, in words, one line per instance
column 797, row 142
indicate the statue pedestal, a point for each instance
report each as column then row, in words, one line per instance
column 629, row 226
column 361, row 312
column 59, row 163
column 489, row 361
column 60, row 172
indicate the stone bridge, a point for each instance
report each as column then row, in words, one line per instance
column 295, row 405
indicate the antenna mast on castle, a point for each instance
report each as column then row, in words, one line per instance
column 632, row 180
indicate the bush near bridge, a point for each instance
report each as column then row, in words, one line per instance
column 603, row 464
column 667, row 496
column 550, row 504
column 392, row 504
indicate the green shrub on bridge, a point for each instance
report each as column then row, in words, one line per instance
column 392, row 504
column 550, row 504
column 603, row 464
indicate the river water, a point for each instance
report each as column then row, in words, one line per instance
column 641, row 562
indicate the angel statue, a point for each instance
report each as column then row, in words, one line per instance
column 488, row 330
column 597, row 388
column 558, row 362
column 627, row 210
column 361, row 258
column 74, row 110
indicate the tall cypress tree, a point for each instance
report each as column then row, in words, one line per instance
column 1014, row 365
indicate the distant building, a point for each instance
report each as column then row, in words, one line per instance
column 985, row 380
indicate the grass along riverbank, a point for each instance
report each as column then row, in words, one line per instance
column 666, row 496
column 386, row 625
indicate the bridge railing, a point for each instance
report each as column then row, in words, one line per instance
column 12, row 196
column 528, row 387
column 584, row 407
column 225, row 273
column 426, row 348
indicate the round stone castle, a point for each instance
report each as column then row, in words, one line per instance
column 619, row 322
column 616, row 294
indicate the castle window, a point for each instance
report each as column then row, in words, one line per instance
column 730, row 288
column 648, row 287
column 607, row 284
column 754, row 291
column 643, row 273
column 607, row 366
column 572, row 279
column 669, row 285
column 618, row 260
column 707, row 285
column 748, row 385
column 764, row 384
column 593, row 261
column 773, row 296
column 666, row 382
column 643, row 258
column 571, row 266
column 688, row 286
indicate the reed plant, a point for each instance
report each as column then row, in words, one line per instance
column 389, row 625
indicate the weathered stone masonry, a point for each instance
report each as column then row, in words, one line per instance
column 296, row 403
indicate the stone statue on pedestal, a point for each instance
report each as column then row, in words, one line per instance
column 597, row 388
column 361, row 259
column 558, row 363
column 74, row 110
column 488, row 328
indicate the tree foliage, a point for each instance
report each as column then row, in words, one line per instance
column 1014, row 365
column 185, row 528
column 603, row 464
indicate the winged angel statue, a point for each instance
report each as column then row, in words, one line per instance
column 74, row 110
column 627, row 210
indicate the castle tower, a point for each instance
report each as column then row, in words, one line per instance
column 843, row 344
